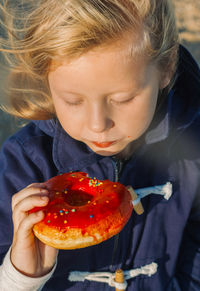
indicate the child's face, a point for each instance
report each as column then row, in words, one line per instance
column 104, row 98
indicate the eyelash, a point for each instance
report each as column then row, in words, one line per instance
column 123, row 102
column 73, row 104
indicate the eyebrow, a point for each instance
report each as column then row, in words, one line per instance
column 111, row 93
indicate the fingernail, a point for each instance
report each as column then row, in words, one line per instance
column 44, row 191
column 45, row 198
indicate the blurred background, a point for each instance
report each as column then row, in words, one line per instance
column 188, row 20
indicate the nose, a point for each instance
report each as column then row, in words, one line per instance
column 99, row 118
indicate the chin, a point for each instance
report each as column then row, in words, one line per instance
column 106, row 153
column 110, row 151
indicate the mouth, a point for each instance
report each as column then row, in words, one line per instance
column 103, row 144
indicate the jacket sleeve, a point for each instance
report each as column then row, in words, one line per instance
column 187, row 276
column 11, row 279
column 17, row 170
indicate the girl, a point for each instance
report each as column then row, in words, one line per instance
column 110, row 93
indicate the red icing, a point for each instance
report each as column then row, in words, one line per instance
column 86, row 202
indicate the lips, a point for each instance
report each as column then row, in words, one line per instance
column 103, row 144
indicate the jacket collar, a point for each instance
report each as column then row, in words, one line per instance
column 73, row 155
column 70, row 154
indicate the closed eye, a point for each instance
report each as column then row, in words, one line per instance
column 123, row 101
column 73, row 103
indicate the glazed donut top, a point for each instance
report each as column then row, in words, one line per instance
column 77, row 201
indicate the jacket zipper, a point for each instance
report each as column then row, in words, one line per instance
column 117, row 164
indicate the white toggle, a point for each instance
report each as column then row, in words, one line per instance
column 109, row 278
column 165, row 190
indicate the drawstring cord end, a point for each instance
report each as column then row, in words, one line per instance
column 137, row 205
column 120, row 283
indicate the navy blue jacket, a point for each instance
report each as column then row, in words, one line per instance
column 168, row 233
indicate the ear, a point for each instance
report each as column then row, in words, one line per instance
column 167, row 74
column 165, row 80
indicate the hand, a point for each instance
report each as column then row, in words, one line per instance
column 29, row 255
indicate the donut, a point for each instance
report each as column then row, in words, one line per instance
column 82, row 211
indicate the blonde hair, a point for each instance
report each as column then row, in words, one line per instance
column 39, row 32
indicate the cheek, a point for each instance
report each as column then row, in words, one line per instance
column 70, row 120
column 138, row 117
column 71, row 126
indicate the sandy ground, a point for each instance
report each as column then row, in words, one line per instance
column 188, row 20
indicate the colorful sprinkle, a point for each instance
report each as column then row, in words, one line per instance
column 66, row 212
column 65, row 191
column 81, row 179
column 57, row 193
column 61, row 211
column 73, row 210
column 94, row 182
column 65, row 221
column 107, row 201
column 49, row 221
column 94, row 203
column 114, row 185
column 91, row 216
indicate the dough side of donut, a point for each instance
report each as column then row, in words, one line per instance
column 74, row 238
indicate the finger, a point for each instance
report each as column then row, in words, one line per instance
column 50, row 254
column 37, row 185
column 30, row 202
column 30, row 190
column 24, row 235
column 20, row 211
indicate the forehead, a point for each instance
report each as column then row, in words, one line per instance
column 127, row 45
column 104, row 69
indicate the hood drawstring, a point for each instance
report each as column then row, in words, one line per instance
column 109, row 278
column 165, row 190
